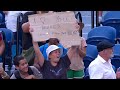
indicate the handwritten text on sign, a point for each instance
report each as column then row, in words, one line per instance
column 59, row 25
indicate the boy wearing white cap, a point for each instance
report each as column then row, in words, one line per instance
column 56, row 67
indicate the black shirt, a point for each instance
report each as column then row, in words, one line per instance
column 56, row 72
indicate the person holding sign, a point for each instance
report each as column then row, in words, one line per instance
column 56, row 67
column 28, row 51
column 76, row 69
column 51, row 41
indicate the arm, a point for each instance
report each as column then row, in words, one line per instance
column 25, row 27
column 82, row 49
column 2, row 47
column 82, row 52
column 37, row 50
column 3, row 74
column 36, row 73
column 38, row 53
column 71, row 51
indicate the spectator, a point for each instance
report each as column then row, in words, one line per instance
column 101, row 67
column 11, row 21
column 24, row 71
column 76, row 69
column 51, row 41
column 28, row 51
column 56, row 67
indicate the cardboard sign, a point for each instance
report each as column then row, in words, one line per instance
column 61, row 25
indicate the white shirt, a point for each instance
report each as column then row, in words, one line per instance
column 101, row 69
column 11, row 20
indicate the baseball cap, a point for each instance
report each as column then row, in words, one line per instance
column 104, row 45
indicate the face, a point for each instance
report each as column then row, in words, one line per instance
column 109, row 52
column 23, row 65
column 55, row 55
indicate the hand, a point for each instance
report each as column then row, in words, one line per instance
column 77, row 26
column 2, row 71
column 30, row 77
column 81, row 26
column 31, row 30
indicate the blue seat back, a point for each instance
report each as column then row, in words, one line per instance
column 116, row 50
column 91, row 51
column 100, row 33
column 8, row 34
column 115, row 62
column 111, row 15
column 112, row 19
column 91, row 54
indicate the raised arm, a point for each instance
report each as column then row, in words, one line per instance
column 25, row 27
column 37, row 51
column 82, row 51
column 71, row 51
column 82, row 48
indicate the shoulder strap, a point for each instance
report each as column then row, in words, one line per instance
column 30, row 72
column 17, row 74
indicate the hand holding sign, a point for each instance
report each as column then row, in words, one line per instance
column 61, row 25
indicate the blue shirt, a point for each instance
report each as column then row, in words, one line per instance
column 44, row 47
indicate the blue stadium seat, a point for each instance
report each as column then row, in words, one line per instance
column 112, row 18
column 100, row 33
column 115, row 62
column 91, row 51
column 116, row 50
column 91, row 54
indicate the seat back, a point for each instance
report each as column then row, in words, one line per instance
column 115, row 62
column 91, row 51
column 100, row 33
column 116, row 50
column 112, row 18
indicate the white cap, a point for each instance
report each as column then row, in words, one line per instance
column 52, row 48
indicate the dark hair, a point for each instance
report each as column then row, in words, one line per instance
column 53, row 41
column 17, row 59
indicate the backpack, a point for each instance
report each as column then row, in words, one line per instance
column 17, row 74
